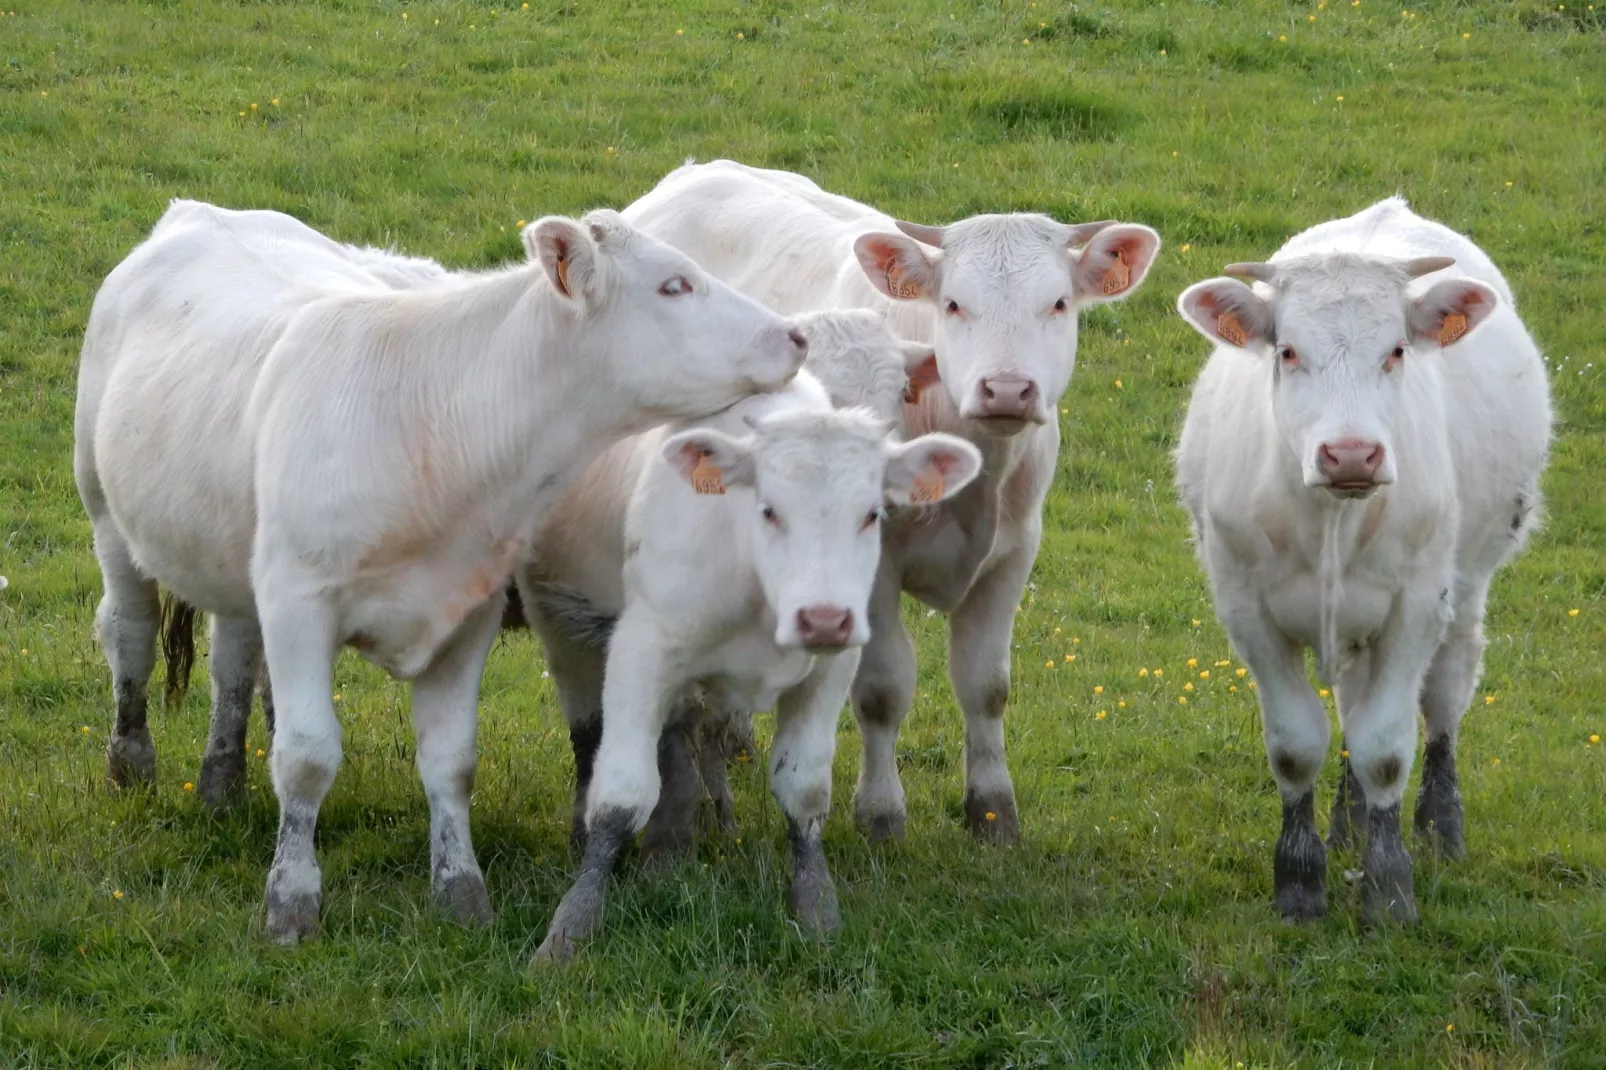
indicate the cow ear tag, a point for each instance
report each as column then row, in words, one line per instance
column 706, row 477
column 1117, row 275
column 1228, row 327
column 563, row 276
column 898, row 286
column 927, row 488
column 1455, row 325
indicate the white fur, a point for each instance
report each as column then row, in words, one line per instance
column 1392, row 586
column 351, row 447
column 780, row 238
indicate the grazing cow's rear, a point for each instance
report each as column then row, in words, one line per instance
column 321, row 460
column 1361, row 453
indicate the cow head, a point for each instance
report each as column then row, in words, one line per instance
column 819, row 482
column 1006, row 290
column 860, row 362
column 678, row 343
column 1342, row 333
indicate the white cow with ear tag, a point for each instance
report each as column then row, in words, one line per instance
column 752, row 543
column 1361, row 453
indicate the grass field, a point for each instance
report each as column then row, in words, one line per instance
column 1133, row 925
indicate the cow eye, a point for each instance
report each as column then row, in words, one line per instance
column 1394, row 358
column 871, row 519
column 768, row 513
column 953, row 308
column 1286, row 354
column 1060, row 306
column 676, row 287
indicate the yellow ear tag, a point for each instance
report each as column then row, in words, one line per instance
column 927, row 488
column 1117, row 275
column 706, row 477
column 1230, row 330
column 563, row 276
column 1455, row 325
column 897, row 286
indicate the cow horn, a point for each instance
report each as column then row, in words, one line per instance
column 1263, row 272
column 1426, row 265
column 931, row 236
column 1081, row 233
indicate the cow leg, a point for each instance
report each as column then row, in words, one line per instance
column 584, row 738
column 445, row 717
column 638, row 688
column 671, row 831
column 1446, row 693
column 1347, row 823
column 577, row 675
column 883, row 691
column 718, row 727
column 800, row 777
column 979, row 634
column 298, row 637
column 236, row 659
column 127, row 621
column 1294, row 723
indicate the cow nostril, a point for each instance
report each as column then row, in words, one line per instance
column 797, row 339
column 1374, row 460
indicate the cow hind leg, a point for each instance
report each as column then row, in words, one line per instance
column 671, row 832
column 720, row 731
column 1446, row 692
column 127, row 622
column 236, row 660
column 882, row 694
column 1347, row 823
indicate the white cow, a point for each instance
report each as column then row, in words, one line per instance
column 320, row 460
column 997, row 295
column 749, row 549
column 573, row 587
column 1361, row 453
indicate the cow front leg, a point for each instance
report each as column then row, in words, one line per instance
column 299, row 639
column 979, row 635
column 445, row 718
column 883, row 691
column 236, row 661
column 1347, row 821
column 800, row 778
column 638, row 688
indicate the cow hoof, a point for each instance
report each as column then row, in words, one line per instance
column 555, row 950
column 882, row 827
column 1387, row 902
column 463, row 899
column 1298, row 903
column 1439, row 822
column 222, row 785
column 131, row 759
column 665, row 846
column 812, row 902
column 292, row 916
column 992, row 818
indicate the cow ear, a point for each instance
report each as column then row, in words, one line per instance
column 1113, row 263
column 1450, row 310
column 898, row 266
column 920, row 364
column 710, row 460
column 566, row 252
column 929, row 469
column 1227, row 311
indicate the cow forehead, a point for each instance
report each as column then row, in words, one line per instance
column 1339, row 301
column 825, row 453
column 1006, row 252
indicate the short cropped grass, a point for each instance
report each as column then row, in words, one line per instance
column 1133, row 924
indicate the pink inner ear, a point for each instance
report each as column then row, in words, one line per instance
column 943, row 462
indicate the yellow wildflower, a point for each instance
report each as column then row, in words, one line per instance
column 1232, row 688
column 1143, row 672
column 1121, row 705
column 1183, row 699
column 85, row 730
column 1099, row 690
column 1204, row 674
column 1240, row 671
column 1488, row 700
column 1187, row 687
column 1099, row 716
column 260, row 752
column 1594, row 737
column 1159, row 672
column 118, row 894
column 1049, row 664
column 1118, row 384
column 1570, row 613
column 1186, row 246
column 991, row 816
column 1323, row 692
column 1193, row 663
column 1343, row 754
column 189, row 785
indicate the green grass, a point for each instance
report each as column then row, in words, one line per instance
column 1133, row 925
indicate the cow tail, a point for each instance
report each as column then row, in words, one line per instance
column 178, row 646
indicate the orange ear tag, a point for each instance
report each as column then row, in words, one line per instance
column 1230, row 330
column 927, row 488
column 912, row 391
column 706, row 477
column 563, row 276
column 1117, row 275
column 1455, row 325
column 897, row 286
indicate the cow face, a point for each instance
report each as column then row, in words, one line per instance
column 1006, row 290
column 819, row 482
column 1342, row 333
column 681, row 343
column 856, row 357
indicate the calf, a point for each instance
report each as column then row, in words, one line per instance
column 997, row 296
column 1361, row 453
column 320, row 461
column 750, row 547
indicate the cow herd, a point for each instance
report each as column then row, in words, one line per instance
column 710, row 442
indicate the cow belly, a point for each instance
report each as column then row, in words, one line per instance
column 1362, row 608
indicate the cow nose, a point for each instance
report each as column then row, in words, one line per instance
column 1008, row 397
column 1350, row 462
column 824, row 626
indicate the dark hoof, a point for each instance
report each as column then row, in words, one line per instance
column 463, row 899
column 992, row 819
column 1387, row 902
column 812, row 902
column 717, row 816
column 1386, row 887
column 1443, row 836
column 292, row 916
column 131, row 760
column 576, row 918
column 222, row 785
column 1438, row 807
column 881, row 828
column 665, row 845
column 1299, row 903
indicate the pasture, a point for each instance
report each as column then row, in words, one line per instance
column 1133, row 924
